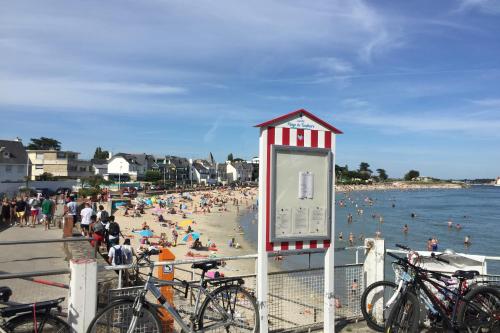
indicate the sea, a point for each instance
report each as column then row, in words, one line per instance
column 426, row 212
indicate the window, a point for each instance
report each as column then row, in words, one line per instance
column 6, row 154
column 83, row 168
column 8, row 168
column 39, row 156
column 61, row 155
column 38, row 166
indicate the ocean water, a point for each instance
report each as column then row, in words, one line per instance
column 477, row 209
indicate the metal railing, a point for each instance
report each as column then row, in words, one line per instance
column 296, row 297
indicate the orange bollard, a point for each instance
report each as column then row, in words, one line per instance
column 166, row 273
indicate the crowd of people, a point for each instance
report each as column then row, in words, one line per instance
column 28, row 211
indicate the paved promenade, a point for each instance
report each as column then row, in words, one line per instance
column 33, row 257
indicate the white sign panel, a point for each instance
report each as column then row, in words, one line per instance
column 301, row 193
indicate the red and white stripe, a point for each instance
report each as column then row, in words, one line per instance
column 297, row 138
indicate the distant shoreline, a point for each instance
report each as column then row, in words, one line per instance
column 398, row 186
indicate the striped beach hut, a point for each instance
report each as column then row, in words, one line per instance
column 296, row 129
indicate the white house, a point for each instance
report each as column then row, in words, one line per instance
column 239, row 171
column 204, row 172
column 126, row 164
column 13, row 161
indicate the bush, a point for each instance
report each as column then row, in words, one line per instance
column 88, row 192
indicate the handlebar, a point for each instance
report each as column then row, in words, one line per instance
column 438, row 258
column 404, row 247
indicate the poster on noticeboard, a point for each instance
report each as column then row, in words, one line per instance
column 301, row 193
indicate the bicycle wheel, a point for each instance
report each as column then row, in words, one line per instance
column 481, row 310
column 405, row 315
column 45, row 323
column 237, row 303
column 373, row 300
column 116, row 317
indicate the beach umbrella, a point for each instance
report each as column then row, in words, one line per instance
column 145, row 233
column 191, row 237
column 185, row 223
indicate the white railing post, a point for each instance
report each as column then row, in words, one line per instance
column 82, row 301
column 374, row 266
column 374, row 260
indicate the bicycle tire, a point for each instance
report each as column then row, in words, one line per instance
column 118, row 315
column 370, row 303
column 24, row 323
column 405, row 315
column 470, row 320
column 245, row 313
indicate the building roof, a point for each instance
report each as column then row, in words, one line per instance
column 179, row 162
column 130, row 158
column 98, row 161
column 51, row 151
column 300, row 113
column 200, row 167
column 12, row 152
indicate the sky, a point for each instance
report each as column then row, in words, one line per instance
column 412, row 84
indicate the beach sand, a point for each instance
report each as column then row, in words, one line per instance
column 219, row 225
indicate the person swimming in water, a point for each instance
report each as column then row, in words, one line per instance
column 405, row 229
column 467, row 241
column 434, row 244
column 450, row 223
column 341, row 235
column 413, row 215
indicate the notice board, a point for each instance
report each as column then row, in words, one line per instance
column 301, row 193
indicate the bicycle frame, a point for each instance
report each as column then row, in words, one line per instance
column 419, row 283
column 151, row 287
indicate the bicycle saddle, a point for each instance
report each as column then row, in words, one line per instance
column 5, row 293
column 22, row 308
column 206, row 266
column 465, row 274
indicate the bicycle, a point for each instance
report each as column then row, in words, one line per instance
column 37, row 317
column 228, row 308
column 375, row 305
column 460, row 309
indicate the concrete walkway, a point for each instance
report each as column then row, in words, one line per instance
column 33, row 257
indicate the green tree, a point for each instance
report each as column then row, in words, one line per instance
column 382, row 175
column 230, row 157
column 364, row 167
column 152, row 176
column 94, row 181
column 412, row 174
column 45, row 176
column 44, row 143
column 101, row 154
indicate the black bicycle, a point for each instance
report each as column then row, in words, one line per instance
column 459, row 309
column 228, row 308
column 377, row 299
column 39, row 317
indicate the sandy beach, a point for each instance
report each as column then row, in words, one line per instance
column 219, row 225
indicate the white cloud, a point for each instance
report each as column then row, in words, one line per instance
column 488, row 102
column 354, row 103
column 333, row 65
column 491, row 7
column 436, row 121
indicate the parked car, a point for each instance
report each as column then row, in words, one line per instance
column 62, row 190
column 45, row 192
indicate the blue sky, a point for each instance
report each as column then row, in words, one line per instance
column 413, row 84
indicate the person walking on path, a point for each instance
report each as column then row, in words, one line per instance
column 5, row 213
column 48, row 208
column 113, row 232
column 34, row 210
column 86, row 215
column 71, row 209
column 20, row 211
